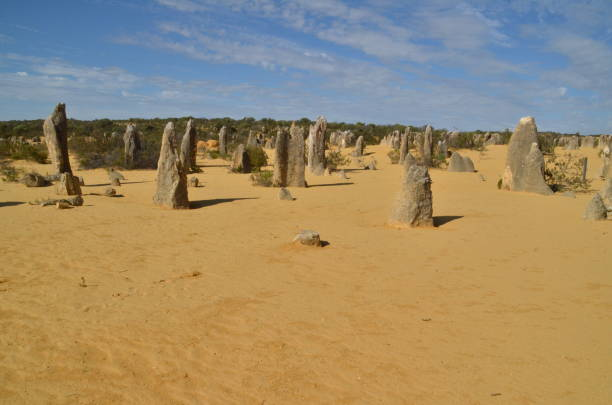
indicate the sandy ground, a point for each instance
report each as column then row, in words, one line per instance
column 507, row 301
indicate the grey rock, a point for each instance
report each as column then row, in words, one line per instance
column 358, row 147
column 409, row 161
column 62, row 205
column 281, row 159
column 114, row 181
column 427, row 150
column 403, row 149
column 115, row 174
column 413, row 206
column 223, row 140
column 596, row 210
column 460, row 163
column 110, row 192
column 524, row 161
column 171, row 189
column 34, row 180
column 68, row 185
column 316, row 147
column 309, row 238
column 296, row 164
column 55, row 129
column 194, row 182
column 284, row 194
column 189, row 148
column 573, row 143
column 606, row 193
column 131, row 145
column 341, row 174
column 241, row 163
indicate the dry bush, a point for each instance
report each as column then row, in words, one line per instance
column 564, row 173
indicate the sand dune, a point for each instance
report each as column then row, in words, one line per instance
column 507, row 301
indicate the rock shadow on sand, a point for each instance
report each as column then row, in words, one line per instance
column 122, row 183
column 444, row 219
column 330, row 184
column 10, row 203
column 207, row 203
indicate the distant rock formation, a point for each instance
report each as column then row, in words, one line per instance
column 316, row 147
column 281, row 161
column 223, row 140
column 131, row 145
column 460, row 163
column 189, row 147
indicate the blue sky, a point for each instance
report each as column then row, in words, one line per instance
column 475, row 64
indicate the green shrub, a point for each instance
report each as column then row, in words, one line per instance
column 9, row 173
column 24, row 151
column 257, row 157
column 335, row 159
column 262, row 178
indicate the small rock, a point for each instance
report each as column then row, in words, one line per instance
column 115, row 182
column 34, row 180
column 596, row 210
column 194, row 182
column 110, row 192
column 309, row 238
column 284, row 194
column 61, row 205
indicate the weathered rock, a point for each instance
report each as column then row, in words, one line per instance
column 194, row 182
column 34, row 180
column 131, row 145
column 573, row 143
column 62, row 205
column 284, row 194
column 81, row 180
column 281, row 159
column 584, row 163
column 223, row 140
column 606, row 170
column 427, row 155
column 341, row 174
column 606, row 194
column 524, row 162
column 268, row 144
column 110, row 192
column 296, row 163
column 68, row 185
column 171, row 175
column 251, row 140
column 533, row 180
column 115, row 174
column 309, row 238
column 403, row 149
column 55, row 128
column 114, row 181
column 596, row 209
column 460, row 163
column 409, row 161
column 371, row 165
column 588, row 142
column 189, row 148
column 241, row 163
column 358, row 147
column 316, row 147
column 413, row 206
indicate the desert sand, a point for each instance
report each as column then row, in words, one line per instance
column 507, row 301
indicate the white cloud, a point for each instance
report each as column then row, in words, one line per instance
column 22, row 74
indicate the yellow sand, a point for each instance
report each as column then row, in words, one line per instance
column 509, row 301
